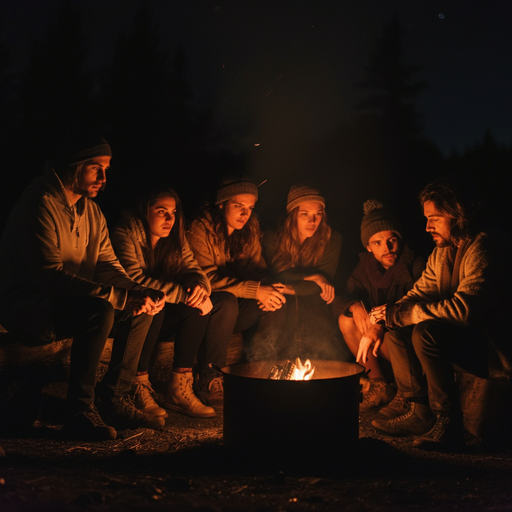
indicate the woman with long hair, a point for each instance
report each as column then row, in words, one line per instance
column 225, row 240
column 151, row 245
column 303, row 254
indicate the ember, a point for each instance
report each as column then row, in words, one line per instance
column 291, row 371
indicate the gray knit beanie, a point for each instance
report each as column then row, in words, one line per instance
column 232, row 186
column 376, row 219
column 301, row 193
column 80, row 146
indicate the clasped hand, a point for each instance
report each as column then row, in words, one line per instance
column 148, row 301
column 327, row 288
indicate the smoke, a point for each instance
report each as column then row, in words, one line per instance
column 304, row 327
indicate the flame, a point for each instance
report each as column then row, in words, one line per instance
column 303, row 371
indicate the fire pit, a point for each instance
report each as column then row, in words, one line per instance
column 266, row 416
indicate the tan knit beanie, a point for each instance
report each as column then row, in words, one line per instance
column 232, row 186
column 376, row 219
column 301, row 193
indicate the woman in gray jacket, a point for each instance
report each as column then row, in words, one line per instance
column 151, row 245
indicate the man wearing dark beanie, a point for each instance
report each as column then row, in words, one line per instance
column 59, row 277
column 386, row 271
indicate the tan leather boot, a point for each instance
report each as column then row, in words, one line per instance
column 180, row 397
column 142, row 393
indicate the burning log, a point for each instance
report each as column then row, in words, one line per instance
column 292, row 371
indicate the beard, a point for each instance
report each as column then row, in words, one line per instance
column 441, row 241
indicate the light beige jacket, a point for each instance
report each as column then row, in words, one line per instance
column 241, row 277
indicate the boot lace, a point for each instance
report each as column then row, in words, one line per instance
column 126, row 408
column 94, row 416
column 143, row 396
column 216, row 387
column 439, row 428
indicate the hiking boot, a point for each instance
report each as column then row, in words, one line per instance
column 417, row 421
column 397, row 407
column 142, row 394
column 447, row 433
column 123, row 413
column 377, row 393
column 87, row 425
column 180, row 397
column 212, row 393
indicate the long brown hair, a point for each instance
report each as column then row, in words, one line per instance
column 458, row 200
column 240, row 241
column 291, row 253
column 165, row 260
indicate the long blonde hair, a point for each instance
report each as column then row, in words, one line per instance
column 291, row 253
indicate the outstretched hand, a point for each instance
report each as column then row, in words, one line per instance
column 370, row 343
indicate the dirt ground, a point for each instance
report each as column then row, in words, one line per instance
column 185, row 467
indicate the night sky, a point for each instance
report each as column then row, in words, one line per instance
column 272, row 69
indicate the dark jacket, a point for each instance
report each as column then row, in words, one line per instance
column 295, row 276
column 406, row 272
column 51, row 248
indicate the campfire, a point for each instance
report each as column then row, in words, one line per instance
column 292, row 371
column 273, row 407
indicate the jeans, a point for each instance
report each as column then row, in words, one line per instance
column 423, row 360
column 89, row 321
column 188, row 327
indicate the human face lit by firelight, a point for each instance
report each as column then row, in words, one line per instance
column 161, row 217
column 92, row 179
column 438, row 225
column 385, row 247
column 309, row 217
column 238, row 210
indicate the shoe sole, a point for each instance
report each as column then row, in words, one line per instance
column 188, row 413
column 402, row 433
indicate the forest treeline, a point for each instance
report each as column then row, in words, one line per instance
column 141, row 102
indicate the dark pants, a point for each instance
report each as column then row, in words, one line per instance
column 423, row 361
column 89, row 321
column 232, row 315
column 186, row 325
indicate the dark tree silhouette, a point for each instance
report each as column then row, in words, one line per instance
column 391, row 85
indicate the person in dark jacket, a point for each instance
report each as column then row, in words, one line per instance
column 303, row 255
column 385, row 273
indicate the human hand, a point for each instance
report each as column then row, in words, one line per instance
column 327, row 289
column 205, row 307
column 148, row 301
column 196, row 296
column 378, row 314
column 372, row 338
column 269, row 298
column 360, row 316
column 284, row 288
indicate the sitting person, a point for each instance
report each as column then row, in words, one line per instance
column 386, row 271
column 303, row 255
column 59, row 277
column 458, row 311
column 225, row 240
column 152, row 247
